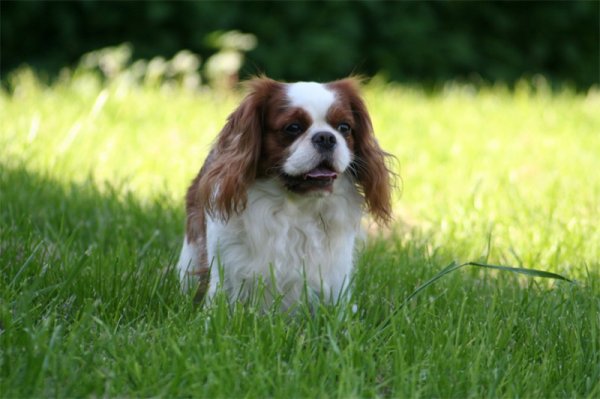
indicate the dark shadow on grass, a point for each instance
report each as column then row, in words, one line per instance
column 93, row 216
column 76, row 245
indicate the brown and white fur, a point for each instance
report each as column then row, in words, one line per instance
column 282, row 192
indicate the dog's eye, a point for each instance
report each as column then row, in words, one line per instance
column 344, row 129
column 293, row 128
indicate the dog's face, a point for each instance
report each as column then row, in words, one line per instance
column 307, row 140
column 304, row 134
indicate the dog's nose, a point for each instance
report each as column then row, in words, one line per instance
column 324, row 141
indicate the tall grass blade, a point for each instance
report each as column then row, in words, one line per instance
column 25, row 265
column 521, row 270
column 448, row 269
column 454, row 266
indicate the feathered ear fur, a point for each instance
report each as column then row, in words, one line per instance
column 231, row 166
column 369, row 165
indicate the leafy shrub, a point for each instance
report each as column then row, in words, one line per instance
column 405, row 41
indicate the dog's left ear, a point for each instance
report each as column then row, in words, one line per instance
column 369, row 165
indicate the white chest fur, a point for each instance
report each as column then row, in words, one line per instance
column 288, row 241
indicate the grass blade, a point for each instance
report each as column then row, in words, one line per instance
column 448, row 269
column 454, row 266
column 25, row 265
column 521, row 270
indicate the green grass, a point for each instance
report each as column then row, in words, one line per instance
column 92, row 178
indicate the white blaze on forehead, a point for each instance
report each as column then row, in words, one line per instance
column 315, row 98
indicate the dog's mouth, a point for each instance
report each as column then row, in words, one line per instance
column 317, row 179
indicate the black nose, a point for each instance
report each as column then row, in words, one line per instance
column 324, row 141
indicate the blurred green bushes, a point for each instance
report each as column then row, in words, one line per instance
column 405, row 41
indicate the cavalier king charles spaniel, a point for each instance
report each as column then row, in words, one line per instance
column 281, row 194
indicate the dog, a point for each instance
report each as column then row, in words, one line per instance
column 280, row 197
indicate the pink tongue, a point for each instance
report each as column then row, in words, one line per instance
column 321, row 174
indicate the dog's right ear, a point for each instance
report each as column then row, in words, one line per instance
column 370, row 162
column 232, row 164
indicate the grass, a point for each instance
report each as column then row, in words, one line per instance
column 92, row 178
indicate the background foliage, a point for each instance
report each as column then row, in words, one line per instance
column 405, row 41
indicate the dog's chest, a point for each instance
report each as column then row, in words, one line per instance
column 288, row 238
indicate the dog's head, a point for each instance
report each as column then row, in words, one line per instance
column 303, row 134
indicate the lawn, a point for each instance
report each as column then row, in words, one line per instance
column 92, row 178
